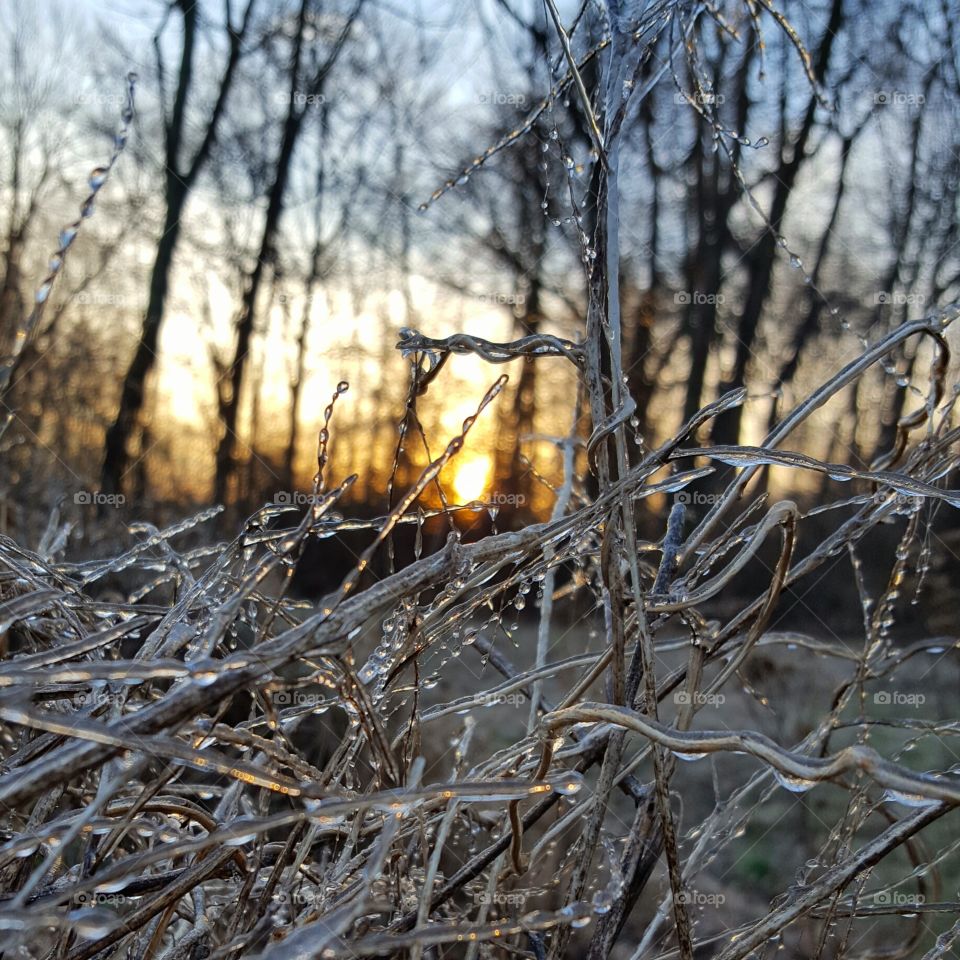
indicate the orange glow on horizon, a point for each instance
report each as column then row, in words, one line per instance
column 471, row 477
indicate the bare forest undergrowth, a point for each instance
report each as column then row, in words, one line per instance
column 486, row 751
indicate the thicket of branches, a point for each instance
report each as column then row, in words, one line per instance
column 272, row 187
column 206, row 767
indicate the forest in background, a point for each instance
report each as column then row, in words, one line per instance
column 302, row 181
column 479, row 482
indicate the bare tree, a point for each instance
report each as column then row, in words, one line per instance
column 181, row 170
column 34, row 121
column 305, row 91
column 762, row 257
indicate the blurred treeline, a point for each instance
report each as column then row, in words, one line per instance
column 262, row 237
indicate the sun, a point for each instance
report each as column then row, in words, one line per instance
column 470, row 478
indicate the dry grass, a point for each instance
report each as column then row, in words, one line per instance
column 207, row 768
column 210, row 766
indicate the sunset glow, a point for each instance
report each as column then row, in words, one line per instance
column 471, row 477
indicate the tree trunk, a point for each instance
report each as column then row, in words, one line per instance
column 293, row 124
column 727, row 426
column 116, row 459
column 292, row 127
column 811, row 322
column 179, row 182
